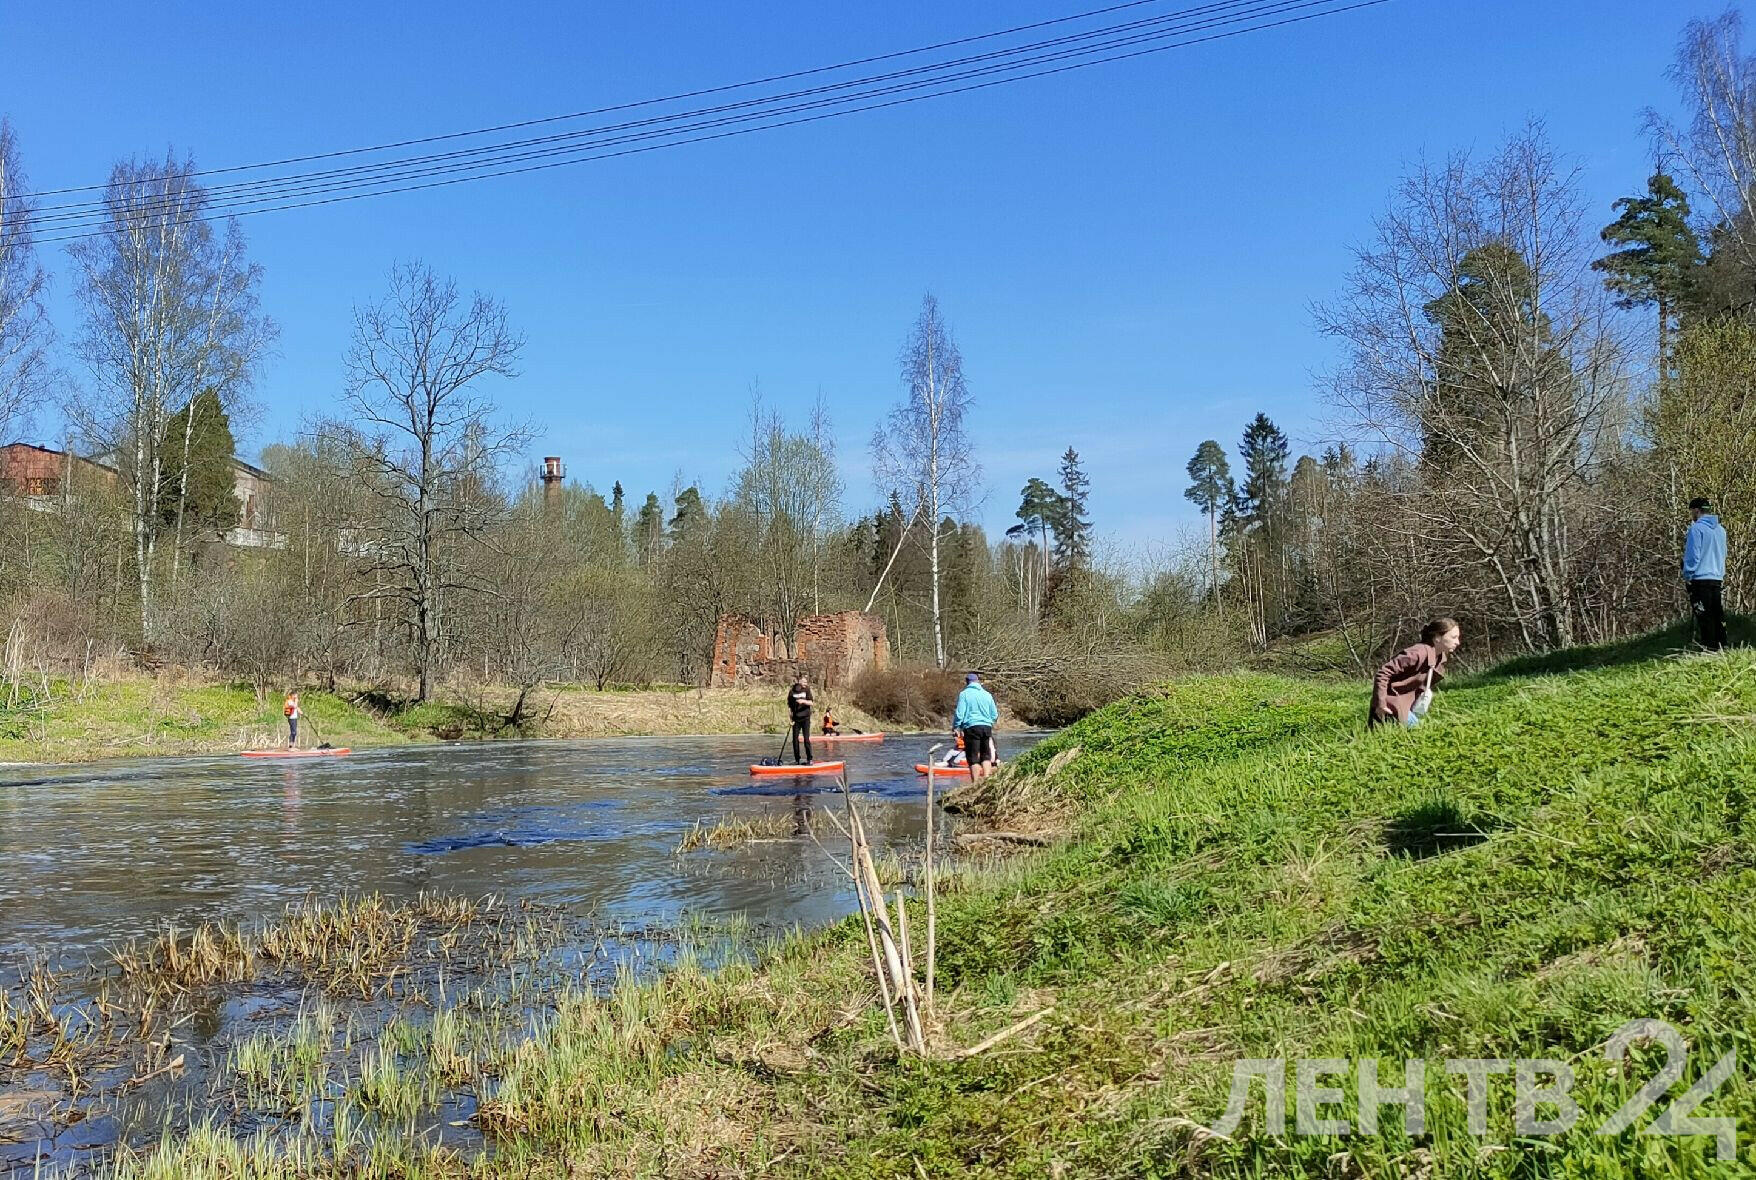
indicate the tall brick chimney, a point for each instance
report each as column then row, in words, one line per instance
column 553, row 474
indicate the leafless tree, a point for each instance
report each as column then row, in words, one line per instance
column 24, row 325
column 425, row 441
column 790, row 487
column 1482, row 347
column 1717, row 150
column 922, row 449
column 170, row 311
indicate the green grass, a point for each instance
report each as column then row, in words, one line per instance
column 140, row 716
column 1247, row 872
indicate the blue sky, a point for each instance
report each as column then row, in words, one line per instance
column 1127, row 254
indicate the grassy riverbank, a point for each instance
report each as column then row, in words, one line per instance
column 1243, row 873
column 151, row 716
column 145, row 716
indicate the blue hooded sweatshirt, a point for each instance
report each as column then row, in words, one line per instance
column 1704, row 551
column 975, row 706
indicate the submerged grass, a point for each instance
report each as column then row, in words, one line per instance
column 732, row 831
column 1244, row 872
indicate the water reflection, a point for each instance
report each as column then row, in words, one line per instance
column 95, row 854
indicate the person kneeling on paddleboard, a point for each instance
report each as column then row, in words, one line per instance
column 831, row 727
column 799, row 702
column 291, row 708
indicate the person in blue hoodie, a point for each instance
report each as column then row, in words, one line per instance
column 977, row 714
column 1704, row 571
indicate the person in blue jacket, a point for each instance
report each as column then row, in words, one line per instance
column 976, row 716
column 1704, row 571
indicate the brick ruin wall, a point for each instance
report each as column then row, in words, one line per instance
column 834, row 648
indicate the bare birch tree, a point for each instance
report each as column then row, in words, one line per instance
column 1717, row 149
column 24, row 325
column 1482, row 346
column 922, row 449
column 425, row 442
column 170, row 311
column 790, row 486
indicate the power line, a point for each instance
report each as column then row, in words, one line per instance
column 1181, row 21
column 698, row 131
column 250, row 192
column 700, row 93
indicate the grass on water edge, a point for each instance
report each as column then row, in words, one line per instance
column 170, row 714
column 1247, row 873
column 144, row 716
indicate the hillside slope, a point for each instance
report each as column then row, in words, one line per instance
column 1247, row 874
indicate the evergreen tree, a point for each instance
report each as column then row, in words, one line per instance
column 617, row 507
column 1073, row 536
column 691, row 513
column 211, row 506
column 1264, row 452
column 649, row 530
column 1659, row 259
column 1490, row 325
column 1210, row 489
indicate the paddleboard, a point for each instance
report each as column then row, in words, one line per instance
column 330, row 753
column 941, row 771
column 808, row 768
column 849, row 737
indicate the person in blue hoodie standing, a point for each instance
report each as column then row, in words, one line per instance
column 977, row 714
column 1704, row 571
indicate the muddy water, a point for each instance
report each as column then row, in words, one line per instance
column 98, row 853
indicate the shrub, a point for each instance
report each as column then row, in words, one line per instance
column 918, row 697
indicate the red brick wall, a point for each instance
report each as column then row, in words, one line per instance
column 834, row 648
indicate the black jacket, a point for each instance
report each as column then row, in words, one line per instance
column 799, row 702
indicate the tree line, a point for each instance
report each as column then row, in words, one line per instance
column 1529, row 392
column 404, row 542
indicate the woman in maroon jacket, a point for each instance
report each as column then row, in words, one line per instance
column 1403, row 687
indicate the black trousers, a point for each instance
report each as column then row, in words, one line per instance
column 802, row 734
column 1710, row 614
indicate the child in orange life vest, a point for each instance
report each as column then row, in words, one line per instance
column 830, row 726
column 291, row 709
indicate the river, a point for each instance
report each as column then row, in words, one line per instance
column 98, row 853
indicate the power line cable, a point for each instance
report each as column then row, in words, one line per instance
column 807, row 113
column 699, row 93
column 239, row 195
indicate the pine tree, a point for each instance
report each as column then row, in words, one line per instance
column 617, row 507
column 1210, row 489
column 1039, row 507
column 1264, row 452
column 691, row 513
column 649, row 530
column 1073, row 537
column 1660, row 259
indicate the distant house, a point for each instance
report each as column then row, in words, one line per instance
column 41, row 475
column 44, row 476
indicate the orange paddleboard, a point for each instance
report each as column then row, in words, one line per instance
column 953, row 771
column 808, row 768
column 849, row 737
